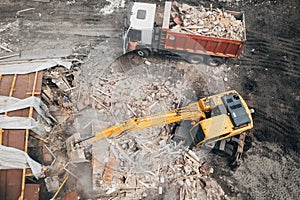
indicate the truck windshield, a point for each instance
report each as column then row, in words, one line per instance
column 135, row 35
column 141, row 14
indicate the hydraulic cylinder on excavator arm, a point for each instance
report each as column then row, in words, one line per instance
column 190, row 112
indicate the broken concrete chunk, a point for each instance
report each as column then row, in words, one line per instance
column 186, row 7
column 162, row 179
column 75, row 152
column 178, row 20
column 162, row 143
column 52, row 183
column 160, row 190
column 111, row 190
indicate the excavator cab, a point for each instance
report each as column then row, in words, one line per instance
column 227, row 119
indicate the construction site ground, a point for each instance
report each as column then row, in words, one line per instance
column 266, row 75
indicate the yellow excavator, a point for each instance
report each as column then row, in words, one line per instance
column 221, row 118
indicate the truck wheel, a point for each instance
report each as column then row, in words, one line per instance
column 195, row 59
column 142, row 52
column 214, row 62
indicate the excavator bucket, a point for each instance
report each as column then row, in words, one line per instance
column 75, row 150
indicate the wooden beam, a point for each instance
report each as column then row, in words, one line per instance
column 27, row 137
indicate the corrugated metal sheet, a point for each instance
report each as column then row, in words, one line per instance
column 22, row 87
column 32, row 191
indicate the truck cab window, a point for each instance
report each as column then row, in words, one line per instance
column 135, row 35
column 141, row 14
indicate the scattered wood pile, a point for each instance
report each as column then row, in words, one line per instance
column 145, row 163
column 142, row 164
column 134, row 97
column 137, row 168
column 205, row 21
column 58, row 84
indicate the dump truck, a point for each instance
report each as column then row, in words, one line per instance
column 222, row 117
column 195, row 34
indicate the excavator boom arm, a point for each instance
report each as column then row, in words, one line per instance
column 220, row 116
column 190, row 112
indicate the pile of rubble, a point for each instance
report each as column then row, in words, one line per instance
column 136, row 168
column 57, row 87
column 146, row 163
column 206, row 22
column 140, row 100
column 132, row 96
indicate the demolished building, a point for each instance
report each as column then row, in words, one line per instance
column 35, row 118
column 23, row 115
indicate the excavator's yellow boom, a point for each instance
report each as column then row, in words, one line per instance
column 220, row 116
column 190, row 112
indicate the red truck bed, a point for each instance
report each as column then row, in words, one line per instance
column 199, row 44
column 203, row 44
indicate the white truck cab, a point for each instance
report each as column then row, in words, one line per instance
column 139, row 24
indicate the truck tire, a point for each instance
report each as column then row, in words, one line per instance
column 213, row 62
column 195, row 59
column 143, row 52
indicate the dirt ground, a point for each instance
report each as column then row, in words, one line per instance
column 266, row 75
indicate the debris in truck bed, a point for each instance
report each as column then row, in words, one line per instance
column 206, row 22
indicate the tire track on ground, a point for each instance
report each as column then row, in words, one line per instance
column 289, row 46
column 273, row 53
column 285, row 130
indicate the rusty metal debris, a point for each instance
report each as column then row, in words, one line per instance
column 206, row 22
column 70, row 196
column 52, row 183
